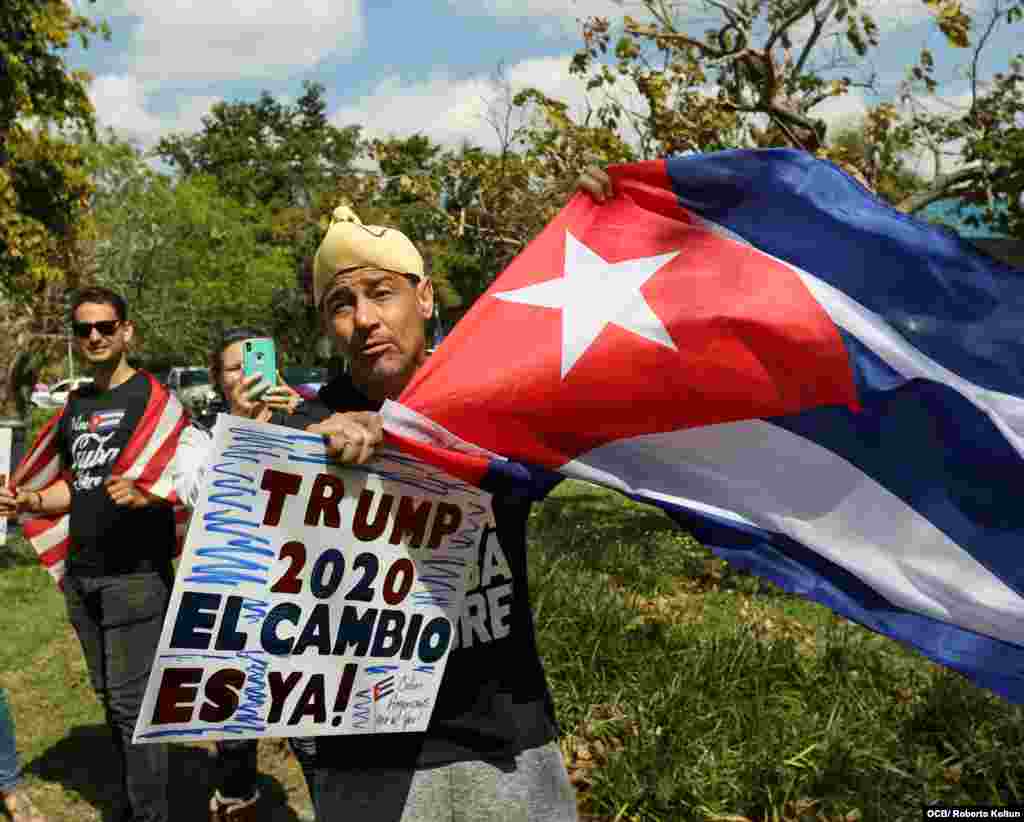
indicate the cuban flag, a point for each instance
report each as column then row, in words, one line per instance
column 824, row 390
column 103, row 421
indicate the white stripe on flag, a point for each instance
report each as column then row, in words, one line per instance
column 165, row 425
column 46, row 540
column 404, row 422
column 1005, row 410
column 57, row 571
column 785, row 483
column 43, row 474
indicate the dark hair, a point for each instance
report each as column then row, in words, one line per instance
column 102, row 296
column 229, row 336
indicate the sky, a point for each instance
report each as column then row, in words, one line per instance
column 400, row 67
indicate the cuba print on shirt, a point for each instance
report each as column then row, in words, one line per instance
column 92, row 447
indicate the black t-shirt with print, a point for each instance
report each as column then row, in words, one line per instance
column 493, row 701
column 107, row 539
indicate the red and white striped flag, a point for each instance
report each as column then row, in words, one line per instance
column 146, row 460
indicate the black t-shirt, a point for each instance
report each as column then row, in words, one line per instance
column 494, row 700
column 107, row 539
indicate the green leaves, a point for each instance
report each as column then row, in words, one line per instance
column 267, row 152
column 43, row 187
column 189, row 258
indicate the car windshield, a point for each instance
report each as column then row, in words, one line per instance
column 195, row 376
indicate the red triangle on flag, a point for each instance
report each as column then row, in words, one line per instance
column 750, row 341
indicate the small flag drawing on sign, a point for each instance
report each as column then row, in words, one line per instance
column 383, row 688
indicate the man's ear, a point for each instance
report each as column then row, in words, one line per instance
column 425, row 298
column 129, row 331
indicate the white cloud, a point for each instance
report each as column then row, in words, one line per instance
column 449, row 110
column 201, row 41
column 889, row 14
column 120, row 102
column 842, row 111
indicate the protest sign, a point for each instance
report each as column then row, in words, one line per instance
column 311, row 599
column 6, row 444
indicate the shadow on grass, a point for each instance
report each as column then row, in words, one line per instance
column 85, row 762
column 609, row 512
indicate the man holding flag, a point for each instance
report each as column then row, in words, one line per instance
column 822, row 389
column 97, row 484
column 490, row 752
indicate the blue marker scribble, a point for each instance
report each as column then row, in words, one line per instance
column 196, row 656
column 254, row 610
column 249, row 715
column 236, row 485
column 439, row 581
column 361, row 709
column 250, row 446
column 377, row 670
column 465, row 538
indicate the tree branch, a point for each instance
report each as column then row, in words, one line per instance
column 996, row 15
column 819, row 26
column 652, row 33
column 939, row 189
column 794, row 16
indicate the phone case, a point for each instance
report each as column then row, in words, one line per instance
column 258, row 357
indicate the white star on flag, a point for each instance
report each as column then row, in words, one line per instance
column 594, row 292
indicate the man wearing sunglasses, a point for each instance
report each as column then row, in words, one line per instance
column 110, row 444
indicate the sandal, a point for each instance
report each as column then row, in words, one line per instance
column 20, row 808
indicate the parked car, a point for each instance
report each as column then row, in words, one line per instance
column 56, row 395
column 191, row 385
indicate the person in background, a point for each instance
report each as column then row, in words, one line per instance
column 121, row 528
column 15, row 800
column 237, row 794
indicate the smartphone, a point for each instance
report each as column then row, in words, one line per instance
column 258, row 357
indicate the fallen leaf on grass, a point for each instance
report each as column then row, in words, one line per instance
column 904, row 695
column 953, row 774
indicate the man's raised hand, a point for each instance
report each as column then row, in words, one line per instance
column 351, row 437
column 596, row 182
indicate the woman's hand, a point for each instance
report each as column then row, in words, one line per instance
column 247, row 398
column 282, row 397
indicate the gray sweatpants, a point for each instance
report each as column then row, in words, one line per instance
column 534, row 787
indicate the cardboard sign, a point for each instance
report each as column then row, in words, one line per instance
column 311, row 599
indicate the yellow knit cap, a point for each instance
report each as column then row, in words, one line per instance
column 350, row 244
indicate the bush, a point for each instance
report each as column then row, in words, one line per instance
column 38, row 417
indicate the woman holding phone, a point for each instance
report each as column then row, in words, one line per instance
column 237, row 793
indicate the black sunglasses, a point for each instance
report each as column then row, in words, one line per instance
column 105, row 327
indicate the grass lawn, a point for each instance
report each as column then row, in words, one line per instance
column 685, row 691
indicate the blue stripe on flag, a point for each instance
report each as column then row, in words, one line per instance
column 939, row 453
column 959, row 306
